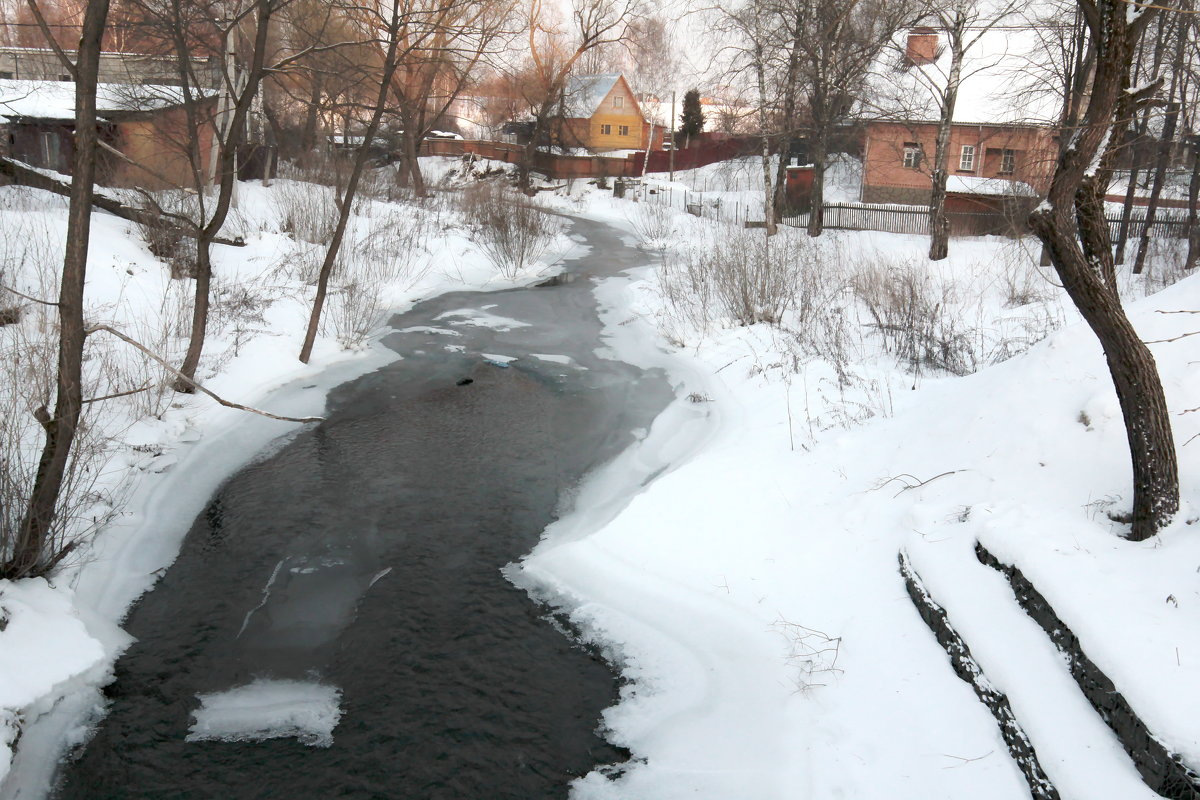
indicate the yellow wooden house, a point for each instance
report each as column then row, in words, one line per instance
column 601, row 113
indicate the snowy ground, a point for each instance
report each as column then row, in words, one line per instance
column 751, row 590
column 739, row 563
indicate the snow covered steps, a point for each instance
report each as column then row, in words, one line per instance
column 1162, row 770
column 1061, row 746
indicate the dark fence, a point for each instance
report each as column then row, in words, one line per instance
column 560, row 167
column 915, row 220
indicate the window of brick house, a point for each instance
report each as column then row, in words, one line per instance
column 966, row 161
column 912, row 155
column 1008, row 162
column 623, row 130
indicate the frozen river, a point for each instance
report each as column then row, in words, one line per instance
column 337, row 624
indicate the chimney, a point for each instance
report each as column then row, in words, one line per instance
column 922, row 47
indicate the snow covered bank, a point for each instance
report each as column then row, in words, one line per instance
column 751, row 591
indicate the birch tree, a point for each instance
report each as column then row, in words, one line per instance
column 963, row 23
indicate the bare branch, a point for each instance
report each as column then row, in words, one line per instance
column 179, row 375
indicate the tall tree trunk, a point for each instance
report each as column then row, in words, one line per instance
column 1160, row 175
column 200, row 303
column 227, row 168
column 1193, row 224
column 1127, row 205
column 32, row 553
column 939, row 223
column 764, row 134
column 816, row 194
column 1080, row 250
column 308, row 139
column 347, row 201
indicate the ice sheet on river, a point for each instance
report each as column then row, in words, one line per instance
column 269, row 709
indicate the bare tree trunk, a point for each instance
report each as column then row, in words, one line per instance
column 308, row 139
column 763, row 130
column 347, row 200
column 200, row 302
column 240, row 103
column 1160, row 176
column 1080, row 250
column 939, row 223
column 1193, row 224
column 31, row 554
column 816, row 195
column 1127, row 208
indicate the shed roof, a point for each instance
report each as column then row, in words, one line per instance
column 55, row 100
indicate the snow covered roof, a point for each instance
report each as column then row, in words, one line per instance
column 972, row 184
column 585, row 93
column 56, row 99
column 999, row 73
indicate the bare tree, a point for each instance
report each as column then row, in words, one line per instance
column 963, row 23
column 448, row 45
column 1073, row 229
column 554, row 51
column 30, row 554
column 832, row 46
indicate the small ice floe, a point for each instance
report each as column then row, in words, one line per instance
column 430, row 329
column 498, row 360
column 552, row 358
column 481, row 319
column 269, row 709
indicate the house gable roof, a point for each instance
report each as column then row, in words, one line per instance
column 585, row 93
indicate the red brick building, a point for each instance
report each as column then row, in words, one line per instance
column 1003, row 139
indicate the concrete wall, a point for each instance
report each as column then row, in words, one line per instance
column 27, row 63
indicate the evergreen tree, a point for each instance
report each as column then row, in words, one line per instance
column 691, row 121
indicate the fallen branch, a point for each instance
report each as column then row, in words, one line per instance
column 23, row 175
column 118, row 394
column 915, row 483
column 227, row 403
column 27, row 297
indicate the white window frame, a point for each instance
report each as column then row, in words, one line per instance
column 966, row 158
column 606, row 129
column 618, row 102
column 1008, row 161
column 912, row 155
column 622, row 130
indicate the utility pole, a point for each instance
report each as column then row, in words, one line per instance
column 672, row 136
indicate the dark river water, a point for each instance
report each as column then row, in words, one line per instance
column 363, row 559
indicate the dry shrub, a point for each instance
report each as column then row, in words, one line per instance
column 168, row 213
column 307, row 211
column 652, row 222
column 390, row 254
column 514, row 232
column 28, row 369
column 915, row 317
column 744, row 276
